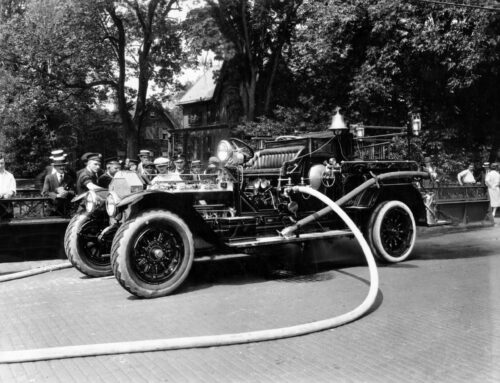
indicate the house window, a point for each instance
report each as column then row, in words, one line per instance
column 165, row 135
column 194, row 118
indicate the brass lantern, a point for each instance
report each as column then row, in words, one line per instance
column 338, row 124
column 416, row 124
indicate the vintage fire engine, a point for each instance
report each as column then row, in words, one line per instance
column 149, row 238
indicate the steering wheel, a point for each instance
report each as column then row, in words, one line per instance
column 242, row 147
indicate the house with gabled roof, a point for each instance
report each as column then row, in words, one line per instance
column 210, row 109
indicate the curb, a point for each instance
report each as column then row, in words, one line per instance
column 450, row 229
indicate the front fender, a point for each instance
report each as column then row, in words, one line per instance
column 180, row 204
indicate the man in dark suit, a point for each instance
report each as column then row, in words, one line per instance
column 87, row 180
column 84, row 160
column 59, row 187
column 49, row 169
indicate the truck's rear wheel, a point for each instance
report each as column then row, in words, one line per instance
column 152, row 254
column 392, row 231
column 83, row 248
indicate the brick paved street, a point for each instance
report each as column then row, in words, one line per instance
column 437, row 319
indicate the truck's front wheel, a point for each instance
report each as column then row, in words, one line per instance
column 152, row 254
column 392, row 231
column 83, row 248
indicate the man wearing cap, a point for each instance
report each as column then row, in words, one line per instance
column 132, row 165
column 59, row 187
column 84, row 159
column 89, row 176
column 196, row 167
column 112, row 167
column 144, row 156
column 214, row 168
column 148, row 171
column 180, row 165
column 492, row 181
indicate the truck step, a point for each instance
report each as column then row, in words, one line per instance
column 265, row 241
column 440, row 222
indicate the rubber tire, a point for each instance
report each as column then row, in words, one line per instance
column 76, row 255
column 123, row 241
column 374, row 237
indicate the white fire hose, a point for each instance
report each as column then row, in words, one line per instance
column 35, row 271
column 216, row 340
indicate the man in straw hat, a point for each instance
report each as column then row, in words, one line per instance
column 484, row 172
column 161, row 165
column 59, row 187
column 49, row 169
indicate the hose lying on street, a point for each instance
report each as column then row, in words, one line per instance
column 223, row 339
column 35, row 271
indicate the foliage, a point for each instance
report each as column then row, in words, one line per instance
column 286, row 121
column 35, row 114
column 252, row 36
column 382, row 60
column 70, row 56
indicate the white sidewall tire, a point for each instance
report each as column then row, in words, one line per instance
column 75, row 253
column 122, row 247
column 375, row 231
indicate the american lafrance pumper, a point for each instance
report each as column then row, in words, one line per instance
column 149, row 237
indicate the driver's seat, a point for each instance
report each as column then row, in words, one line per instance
column 270, row 161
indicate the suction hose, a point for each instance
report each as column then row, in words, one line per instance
column 36, row 271
column 216, row 340
column 353, row 193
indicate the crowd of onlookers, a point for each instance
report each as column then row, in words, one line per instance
column 489, row 177
column 61, row 183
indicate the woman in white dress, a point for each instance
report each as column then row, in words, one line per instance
column 492, row 181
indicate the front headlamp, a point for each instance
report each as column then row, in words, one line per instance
column 90, row 201
column 224, row 151
column 111, row 203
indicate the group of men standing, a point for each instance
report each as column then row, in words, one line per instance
column 61, row 183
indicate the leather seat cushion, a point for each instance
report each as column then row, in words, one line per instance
column 273, row 158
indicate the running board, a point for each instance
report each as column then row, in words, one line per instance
column 265, row 241
column 440, row 222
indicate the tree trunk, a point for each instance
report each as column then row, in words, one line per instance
column 146, row 21
column 140, row 107
column 250, row 87
column 129, row 127
column 269, row 85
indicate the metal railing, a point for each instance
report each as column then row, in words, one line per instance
column 459, row 193
column 29, row 204
column 377, row 151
